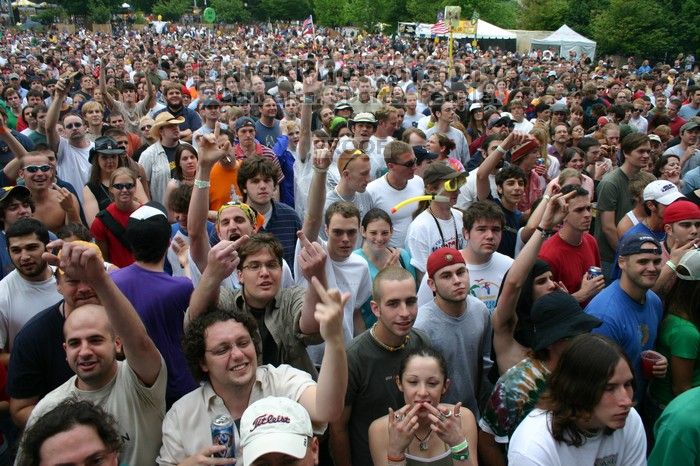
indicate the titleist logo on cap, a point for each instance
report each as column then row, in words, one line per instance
column 269, row 419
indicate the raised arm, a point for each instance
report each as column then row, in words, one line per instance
column 504, row 317
column 83, row 263
column 12, row 168
column 325, row 401
column 106, row 96
column 483, row 186
column 209, row 154
column 150, row 100
column 311, row 88
column 53, row 114
column 313, row 220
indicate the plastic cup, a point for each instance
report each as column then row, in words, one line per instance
column 649, row 358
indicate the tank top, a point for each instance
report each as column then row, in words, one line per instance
column 101, row 194
column 443, row 459
column 633, row 218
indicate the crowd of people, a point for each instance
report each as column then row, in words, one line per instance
column 346, row 251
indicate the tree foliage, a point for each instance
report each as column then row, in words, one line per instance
column 286, row 9
column 632, row 28
column 543, row 15
column 171, row 10
column 329, row 13
column 230, row 11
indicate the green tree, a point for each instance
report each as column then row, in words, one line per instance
column 329, row 13
column 633, row 28
column 502, row 13
column 100, row 13
column 171, row 10
column 545, row 15
column 286, row 9
column 230, row 11
column 426, row 12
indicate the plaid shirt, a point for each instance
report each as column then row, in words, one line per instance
column 284, row 223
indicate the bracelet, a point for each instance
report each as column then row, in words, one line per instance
column 500, row 149
column 201, row 184
column 546, row 197
column 461, row 446
column 396, row 459
column 309, row 99
column 545, row 233
column 320, row 170
column 671, row 265
column 461, row 456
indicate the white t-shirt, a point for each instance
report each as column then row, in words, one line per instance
column 349, row 276
column 484, row 281
column 138, row 410
column 425, row 236
column 375, row 150
column 524, row 126
column 20, row 300
column 532, row 444
column 73, row 165
column 461, row 151
column 385, row 197
column 467, row 193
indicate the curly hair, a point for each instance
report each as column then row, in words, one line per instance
column 65, row 416
column 257, row 243
column 577, row 384
column 194, row 339
column 257, row 166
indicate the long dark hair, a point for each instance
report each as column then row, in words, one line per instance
column 577, row 385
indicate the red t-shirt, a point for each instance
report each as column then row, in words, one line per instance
column 119, row 255
column 569, row 263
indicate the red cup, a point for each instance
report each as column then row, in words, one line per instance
column 649, row 358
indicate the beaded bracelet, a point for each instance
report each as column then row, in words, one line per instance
column 463, row 456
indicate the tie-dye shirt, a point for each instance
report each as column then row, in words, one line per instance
column 516, row 394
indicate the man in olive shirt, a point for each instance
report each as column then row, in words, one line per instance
column 614, row 200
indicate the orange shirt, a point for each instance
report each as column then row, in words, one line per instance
column 222, row 179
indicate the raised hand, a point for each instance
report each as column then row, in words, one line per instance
column 402, row 425
column 312, row 257
column 211, row 148
column 79, row 260
column 311, row 85
column 223, row 258
column 329, row 312
column 322, row 158
column 557, row 208
column 447, row 423
column 64, row 197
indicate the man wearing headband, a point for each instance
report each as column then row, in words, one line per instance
column 630, row 311
column 682, row 226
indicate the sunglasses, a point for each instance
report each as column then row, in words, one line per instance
column 36, row 168
column 146, row 127
column 73, row 125
column 122, row 186
column 355, row 153
column 410, row 164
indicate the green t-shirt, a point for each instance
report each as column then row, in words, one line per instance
column 680, row 338
column 613, row 195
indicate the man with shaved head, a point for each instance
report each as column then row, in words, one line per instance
column 133, row 391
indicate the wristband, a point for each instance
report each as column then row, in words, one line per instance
column 396, row 459
column 671, row 265
column 460, row 446
column 309, row 99
column 500, row 149
column 546, row 197
column 545, row 233
column 461, row 456
column 201, row 184
column 320, row 170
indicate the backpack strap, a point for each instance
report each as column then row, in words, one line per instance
column 115, row 227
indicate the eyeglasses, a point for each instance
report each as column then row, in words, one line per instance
column 146, row 127
column 410, row 164
column 636, row 110
column 36, row 168
column 208, row 92
column 257, row 266
column 73, row 125
column 225, row 349
column 350, row 159
column 122, row 186
column 601, row 88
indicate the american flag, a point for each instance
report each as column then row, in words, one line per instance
column 308, row 26
column 439, row 28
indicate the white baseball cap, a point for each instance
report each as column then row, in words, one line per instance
column 662, row 191
column 274, row 425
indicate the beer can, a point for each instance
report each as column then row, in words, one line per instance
column 539, row 161
column 222, row 433
column 594, row 272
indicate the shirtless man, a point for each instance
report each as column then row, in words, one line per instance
column 55, row 206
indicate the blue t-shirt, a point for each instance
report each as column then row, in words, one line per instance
column 638, row 228
column 630, row 324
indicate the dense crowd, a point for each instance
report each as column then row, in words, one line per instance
column 261, row 245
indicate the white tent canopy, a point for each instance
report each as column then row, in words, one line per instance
column 566, row 39
column 484, row 31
